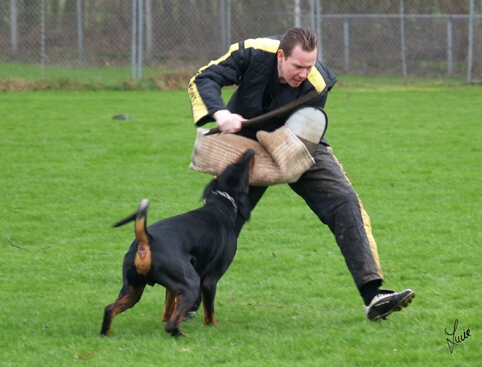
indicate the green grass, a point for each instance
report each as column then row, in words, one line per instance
column 68, row 171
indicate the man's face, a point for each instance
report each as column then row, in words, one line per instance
column 294, row 69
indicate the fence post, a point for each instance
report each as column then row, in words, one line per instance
column 297, row 12
column 222, row 19
column 42, row 38
column 318, row 30
column 312, row 14
column 80, row 36
column 228, row 23
column 140, row 35
column 346, row 38
column 149, row 32
column 449, row 46
column 225, row 21
column 402, row 41
column 133, row 40
column 471, row 43
column 13, row 28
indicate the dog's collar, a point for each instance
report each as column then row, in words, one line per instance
column 224, row 194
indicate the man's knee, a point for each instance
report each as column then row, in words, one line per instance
column 340, row 200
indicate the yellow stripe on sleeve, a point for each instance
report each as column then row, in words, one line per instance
column 316, row 79
column 199, row 108
column 265, row 44
column 232, row 48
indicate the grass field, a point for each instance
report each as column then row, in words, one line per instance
column 68, row 171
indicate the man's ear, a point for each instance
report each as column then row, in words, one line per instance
column 280, row 55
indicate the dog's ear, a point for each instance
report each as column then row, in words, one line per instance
column 244, row 207
column 209, row 189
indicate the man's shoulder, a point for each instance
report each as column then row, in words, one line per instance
column 328, row 76
column 266, row 44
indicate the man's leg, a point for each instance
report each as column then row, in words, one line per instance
column 330, row 195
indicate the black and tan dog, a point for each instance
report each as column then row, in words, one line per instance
column 187, row 253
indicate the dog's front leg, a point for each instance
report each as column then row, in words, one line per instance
column 208, row 293
column 169, row 305
column 184, row 303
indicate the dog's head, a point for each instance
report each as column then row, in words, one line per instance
column 234, row 180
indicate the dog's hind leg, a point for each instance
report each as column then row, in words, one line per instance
column 128, row 297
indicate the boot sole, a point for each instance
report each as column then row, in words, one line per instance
column 398, row 307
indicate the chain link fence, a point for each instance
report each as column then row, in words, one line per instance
column 117, row 40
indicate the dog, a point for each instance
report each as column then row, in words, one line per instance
column 188, row 253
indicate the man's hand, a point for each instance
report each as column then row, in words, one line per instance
column 228, row 122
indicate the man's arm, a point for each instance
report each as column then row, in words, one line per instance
column 205, row 89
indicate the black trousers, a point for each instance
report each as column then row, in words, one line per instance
column 330, row 195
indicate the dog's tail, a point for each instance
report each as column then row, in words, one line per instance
column 143, row 255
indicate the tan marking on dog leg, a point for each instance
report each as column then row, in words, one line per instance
column 209, row 318
column 122, row 303
column 208, row 307
column 175, row 320
column 169, row 305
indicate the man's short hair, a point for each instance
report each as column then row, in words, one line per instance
column 303, row 36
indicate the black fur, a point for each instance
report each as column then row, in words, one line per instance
column 187, row 253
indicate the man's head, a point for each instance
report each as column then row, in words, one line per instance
column 296, row 55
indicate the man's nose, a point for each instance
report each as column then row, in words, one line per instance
column 303, row 74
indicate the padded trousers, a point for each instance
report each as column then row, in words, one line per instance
column 330, row 195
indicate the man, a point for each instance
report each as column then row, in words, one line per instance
column 271, row 72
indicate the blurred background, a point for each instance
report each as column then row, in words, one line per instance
column 128, row 41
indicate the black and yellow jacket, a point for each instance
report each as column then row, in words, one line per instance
column 249, row 65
